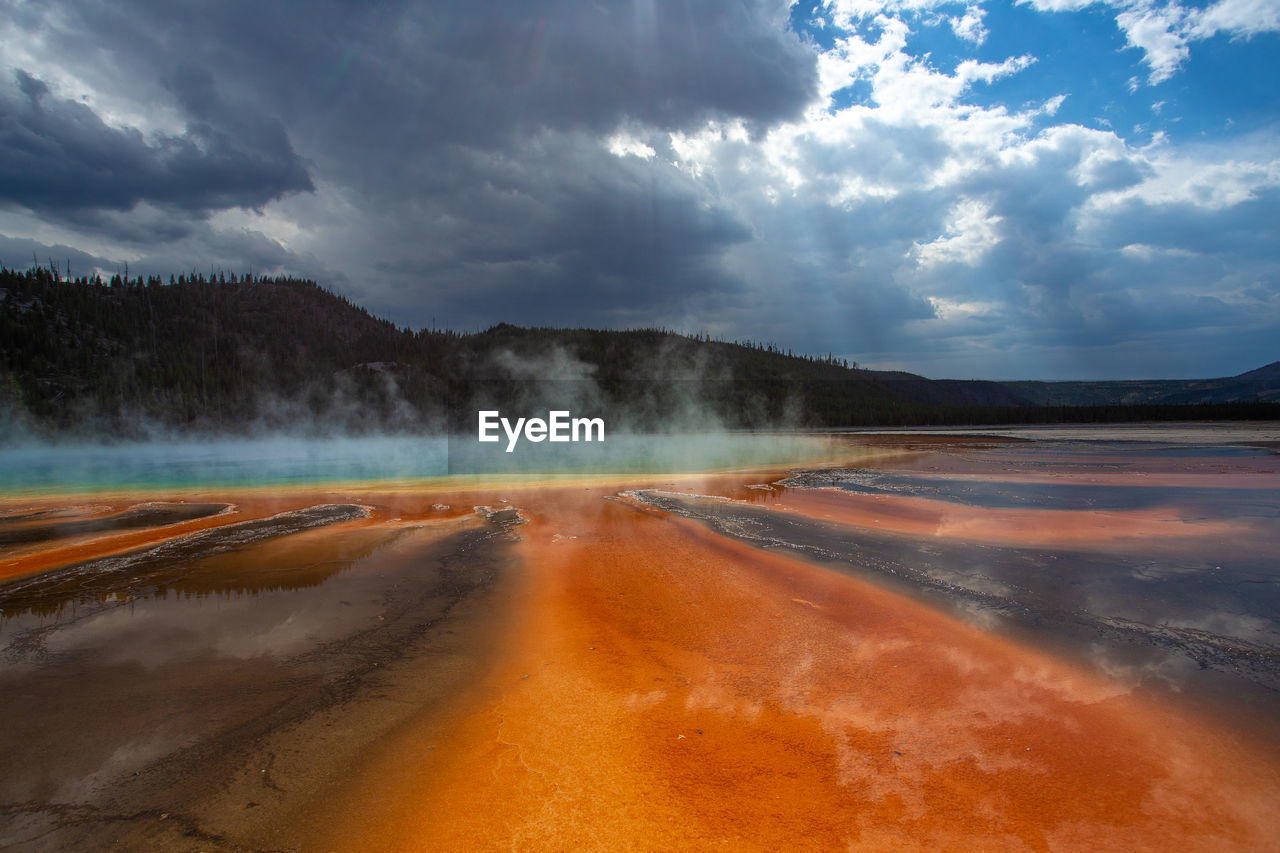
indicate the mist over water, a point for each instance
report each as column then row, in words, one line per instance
column 630, row 453
column 285, row 460
column 220, row 462
column 223, row 666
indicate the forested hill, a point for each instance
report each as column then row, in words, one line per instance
column 238, row 353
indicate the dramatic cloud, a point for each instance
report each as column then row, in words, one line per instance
column 959, row 188
column 58, row 157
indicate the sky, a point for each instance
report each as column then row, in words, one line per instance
column 1051, row 189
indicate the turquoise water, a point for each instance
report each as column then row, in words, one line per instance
column 284, row 461
column 638, row 453
column 225, row 462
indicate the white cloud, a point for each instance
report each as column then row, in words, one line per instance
column 845, row 12
column 41, row 52
column 1147, row 252
column 853, row 57
column 950, row 309
column 1164, row 31
column 906, row 86
column 1059, row 5
column 970, row 232
column 622, row 144
column 1158, row 32
column 918, row 221
column 970, row 27
column 1208, row 185
column 1236, row 17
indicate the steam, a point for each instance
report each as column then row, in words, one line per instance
column 672, row 411
column 673, row 408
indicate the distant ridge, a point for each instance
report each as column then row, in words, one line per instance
column 228, row 353
column 1255, row 386
column 950, row 392
column 1267, row 373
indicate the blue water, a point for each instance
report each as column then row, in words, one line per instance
column 285, row 461
column 225, row 462
column 1003, row 494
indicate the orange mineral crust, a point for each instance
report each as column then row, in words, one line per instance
column 240, row 506
column 41, row 556
column 663, row 688
column 921, row 517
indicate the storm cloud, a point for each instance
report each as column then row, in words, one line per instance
column 803, row 173
column 58, row 157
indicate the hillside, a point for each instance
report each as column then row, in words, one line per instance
column 240, row 353
column 131, row 358
column 190, row 352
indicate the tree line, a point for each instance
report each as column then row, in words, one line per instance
column 228, row 352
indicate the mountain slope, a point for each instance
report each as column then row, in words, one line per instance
column 130, row 358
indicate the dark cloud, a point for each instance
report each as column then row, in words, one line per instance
column 452, row 161
column 390, row 75
column 465, row 139
column 574, row 235
column 22, row 253
column 202, row 249
column 57, row 156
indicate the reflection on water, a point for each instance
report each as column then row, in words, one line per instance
column 1006, row 494
column 1097, row 458
column 140, row 680
column 1196, row 609
column 274, row 598
column 171, row 564
column 260, row 596
column 42, row 526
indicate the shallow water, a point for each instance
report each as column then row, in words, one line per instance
column 285, row 461
column 140, row 687
column 1010, row 494
column 1175, row 581
column 942, row 644
column 229, row 462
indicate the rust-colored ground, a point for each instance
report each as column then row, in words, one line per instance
column 244, row 505
column 659, row 687
column 665, row 689
column 37, row 557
